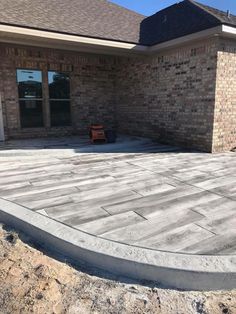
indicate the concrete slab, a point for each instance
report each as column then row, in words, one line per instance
column 134, row 193
column 181, row 271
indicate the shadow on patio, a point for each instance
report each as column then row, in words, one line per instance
column 81, row 144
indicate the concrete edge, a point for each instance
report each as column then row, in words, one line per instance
column 180, row 271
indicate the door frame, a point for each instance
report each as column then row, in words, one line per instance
column 2, row 135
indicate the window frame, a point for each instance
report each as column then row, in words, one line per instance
column 41, row 99
column 59, row 99
column 45, row 100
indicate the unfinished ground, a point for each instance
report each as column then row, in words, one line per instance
column 32, row 282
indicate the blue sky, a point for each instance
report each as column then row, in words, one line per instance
column 148, row 7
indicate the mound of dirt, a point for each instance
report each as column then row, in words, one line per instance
column 32, row 282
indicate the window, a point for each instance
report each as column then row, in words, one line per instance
column 59, row 98
column 32, row 102
column 30, row 98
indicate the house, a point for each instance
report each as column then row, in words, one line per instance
column 68, row 63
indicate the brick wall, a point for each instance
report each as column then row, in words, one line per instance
column 170, row 97
column 92, row 88
column 173, row 97
column 225, row 105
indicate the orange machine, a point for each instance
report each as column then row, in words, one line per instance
column 97, row 134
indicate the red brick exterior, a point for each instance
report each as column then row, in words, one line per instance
column 170, row 97
column 225, row 105
column 92, row 88
column 182, row 96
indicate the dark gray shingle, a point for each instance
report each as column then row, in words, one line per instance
column 181, row 19
column 92, row 18
column 221, row 15
column 103, row 19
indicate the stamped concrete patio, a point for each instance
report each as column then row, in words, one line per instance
column 135, row 192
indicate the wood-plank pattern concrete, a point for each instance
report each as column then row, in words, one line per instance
column 135, row 191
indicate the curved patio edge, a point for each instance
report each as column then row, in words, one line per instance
column 172, row 270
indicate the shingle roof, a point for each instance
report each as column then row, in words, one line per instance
column 181, row 19
column 103, row 19
column 221, row 15
column 91, row 18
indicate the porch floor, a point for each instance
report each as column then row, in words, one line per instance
column 134, row 191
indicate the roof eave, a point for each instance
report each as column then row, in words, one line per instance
column 47, row 39
column 208, row 33
column 32, row 37
column 229, row 31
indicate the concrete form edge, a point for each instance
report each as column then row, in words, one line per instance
column 180, row 271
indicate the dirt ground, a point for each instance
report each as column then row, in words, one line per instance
column 32, row 282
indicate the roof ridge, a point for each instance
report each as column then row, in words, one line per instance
column 204, row 8
column 216, row 9
column 124, row 8
column 166, row 8
column 208, row 9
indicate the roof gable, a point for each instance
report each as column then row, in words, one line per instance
column 222, row 16
column 178, row 20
